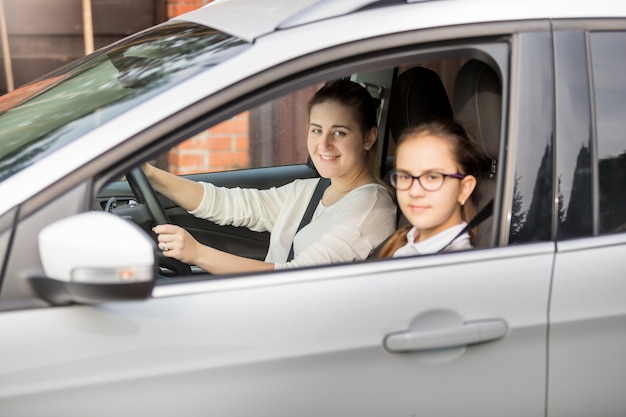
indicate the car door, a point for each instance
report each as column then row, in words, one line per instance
column 587, row 311
column 453, row 334
column 317, row 341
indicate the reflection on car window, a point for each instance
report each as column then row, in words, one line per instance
column 51, row 112
column 532, row 205
column 609, row 68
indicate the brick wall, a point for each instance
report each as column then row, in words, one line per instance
column 221, row 148
column 177, row 7
column 224, row 147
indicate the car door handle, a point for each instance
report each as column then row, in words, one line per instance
column 466, row 334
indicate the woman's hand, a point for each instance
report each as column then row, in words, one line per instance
column 176, row 242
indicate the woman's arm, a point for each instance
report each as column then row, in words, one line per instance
column 186, row 193
column 255, row 209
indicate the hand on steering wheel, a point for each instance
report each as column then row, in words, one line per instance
column 145, row 194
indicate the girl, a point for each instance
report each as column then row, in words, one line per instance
column 436, row 168
column 354, row 215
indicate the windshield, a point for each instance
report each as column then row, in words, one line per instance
column 60, row 107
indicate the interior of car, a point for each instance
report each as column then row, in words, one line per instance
column 465, row 88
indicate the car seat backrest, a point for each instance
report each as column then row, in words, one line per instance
column 417, row 96
column 477, row 103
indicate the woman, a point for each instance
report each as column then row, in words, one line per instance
column 354, row 215
column 436, row 168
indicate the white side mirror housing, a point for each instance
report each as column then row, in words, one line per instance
column 95, row 257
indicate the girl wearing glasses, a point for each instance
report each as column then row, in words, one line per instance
column 436, row 168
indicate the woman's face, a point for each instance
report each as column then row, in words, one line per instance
column 431, row 211
column 335, row 141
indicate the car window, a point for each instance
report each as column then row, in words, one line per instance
column 272, row 136
column 609, row 87
column 41, row 117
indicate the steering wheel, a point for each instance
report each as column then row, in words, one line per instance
column 146, row 195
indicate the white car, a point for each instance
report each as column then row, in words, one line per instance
column 531, row 322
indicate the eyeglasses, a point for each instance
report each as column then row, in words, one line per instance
column 429, row 181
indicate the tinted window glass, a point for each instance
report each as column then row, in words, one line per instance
column 533, row 201
column 574, row 138
column 609, row 79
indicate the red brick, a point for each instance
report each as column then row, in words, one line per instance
column 242, row 144
column 173, row 157
column 197, row 158
column 228, row 160
column 178, row 7
column 220, row 143
column 230, row 127
column 174, row 10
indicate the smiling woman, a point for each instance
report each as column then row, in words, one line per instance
column 354, row 215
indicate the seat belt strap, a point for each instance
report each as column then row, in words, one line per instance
column 482, row 215
column 321, row 186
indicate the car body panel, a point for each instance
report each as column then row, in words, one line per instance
column 588, row 327
column 587, row 309
column 7, row 222
column 243, row 19
column 25, row 235
column 292, row 331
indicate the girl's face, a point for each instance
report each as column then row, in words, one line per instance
column 335, row 141
column 431, row 211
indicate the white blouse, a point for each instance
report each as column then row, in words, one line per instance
column 343, row 232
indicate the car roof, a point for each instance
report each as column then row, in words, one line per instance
column 251, row 19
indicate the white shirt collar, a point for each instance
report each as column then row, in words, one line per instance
column 436, row 243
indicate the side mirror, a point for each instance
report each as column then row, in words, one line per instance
column 94, row 257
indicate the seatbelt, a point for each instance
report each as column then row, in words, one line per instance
column 321, row 186
column 482, row 215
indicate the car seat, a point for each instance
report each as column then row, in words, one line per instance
column 417, row 96
column 477, row 104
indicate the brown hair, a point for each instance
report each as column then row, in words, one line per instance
column 470, row 160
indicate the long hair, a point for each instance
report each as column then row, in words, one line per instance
column 355, row 97
column 470, row 160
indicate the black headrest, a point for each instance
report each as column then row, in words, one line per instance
column 418, row 95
